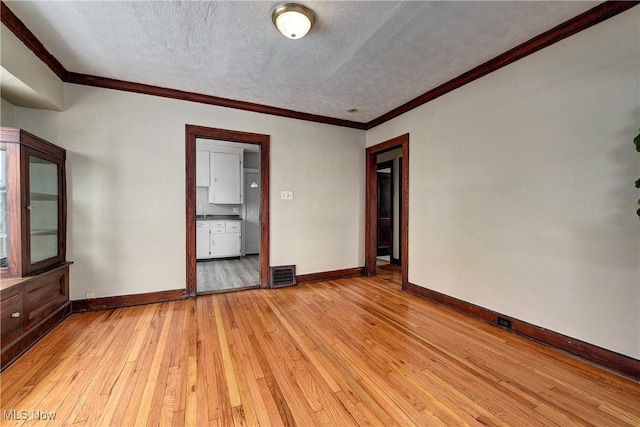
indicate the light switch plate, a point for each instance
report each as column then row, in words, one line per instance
column 286, row 195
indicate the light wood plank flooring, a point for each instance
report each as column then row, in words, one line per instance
column 349, row 352
column 228, row 274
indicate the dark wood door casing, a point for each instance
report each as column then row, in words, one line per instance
column 192, row 133
column 384, row 232
column 400, row 212
column 371, row 204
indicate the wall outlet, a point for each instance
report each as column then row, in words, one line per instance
column 236, row 210
column 200, row 206
column 91, row 295
column 286, row 195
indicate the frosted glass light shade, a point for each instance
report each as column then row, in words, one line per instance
column 293, row 20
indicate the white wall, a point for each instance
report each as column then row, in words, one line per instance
column 126, row 180
column 521, row 188
column 7, row 113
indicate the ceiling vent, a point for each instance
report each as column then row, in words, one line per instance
column 284, row 275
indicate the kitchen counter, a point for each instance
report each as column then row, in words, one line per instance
column 217, row 217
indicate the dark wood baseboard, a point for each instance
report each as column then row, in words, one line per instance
column 616, row 362
column 330, row 275
column 395, row 261
column 26, row 341
column 108, row 303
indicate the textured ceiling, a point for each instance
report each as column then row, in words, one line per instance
column 373, row 56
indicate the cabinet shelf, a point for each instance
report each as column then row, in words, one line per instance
column 43, row 197
column 52, row 232
column 35, row 233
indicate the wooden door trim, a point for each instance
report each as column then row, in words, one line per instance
column 371, row 202
column 380, row 166
column 400, row 211
column 193, row 132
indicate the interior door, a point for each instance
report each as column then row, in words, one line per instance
column 252, row 212
column 385, row 213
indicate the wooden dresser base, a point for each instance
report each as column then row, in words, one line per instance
column 31, row 307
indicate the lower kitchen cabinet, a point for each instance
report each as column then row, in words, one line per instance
column 225, row 245
column 203, row 240
column 218, row 239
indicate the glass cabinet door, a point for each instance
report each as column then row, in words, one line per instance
column 3, row 209
column 43, row 209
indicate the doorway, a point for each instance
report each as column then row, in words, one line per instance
column 385, row 223
column 261, row 192
column 251, row 211
column 374, row 234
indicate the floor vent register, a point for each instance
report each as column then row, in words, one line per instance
column 281, row 276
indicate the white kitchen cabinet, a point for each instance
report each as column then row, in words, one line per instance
column 203, row 240
column 202, row 168
column 225, row 245
column 218, row 239
column 225, row 178
column 233, row 227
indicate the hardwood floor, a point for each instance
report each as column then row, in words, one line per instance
column 348, row 352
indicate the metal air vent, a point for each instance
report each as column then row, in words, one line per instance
column 281, row 276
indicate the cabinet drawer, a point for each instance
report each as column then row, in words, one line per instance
column 11, row 326
column 233, row 226
column 44, row 296
column 217, row 227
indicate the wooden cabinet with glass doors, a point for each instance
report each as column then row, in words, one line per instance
column 33, row 268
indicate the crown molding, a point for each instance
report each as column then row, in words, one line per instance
column 17, row 27
column 104, row 82
column 581, row 22
column 593, row 16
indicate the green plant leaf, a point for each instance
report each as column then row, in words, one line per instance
column 636, row 141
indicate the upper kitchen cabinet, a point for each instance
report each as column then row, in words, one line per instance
column 219, row 167
column 202, row 168
column 225, row 174
column 33, row 215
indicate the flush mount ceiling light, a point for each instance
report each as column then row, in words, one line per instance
column 293, row 20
